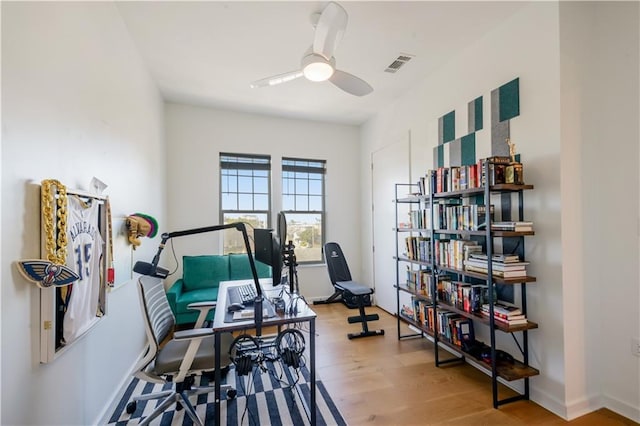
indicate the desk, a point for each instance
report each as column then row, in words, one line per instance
column 304, row 314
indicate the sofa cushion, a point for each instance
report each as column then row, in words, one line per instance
column 201, row 272
column 240, row 269
column 199, row 295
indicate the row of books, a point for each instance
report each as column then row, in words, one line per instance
column 419, row 281
column 453, row 253
column 418, row 248
column 452, row 326
column 471, row 217
column 464, row 296
column 420, row 219
column 458, row 178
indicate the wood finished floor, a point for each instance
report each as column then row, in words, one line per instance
column 383, row 381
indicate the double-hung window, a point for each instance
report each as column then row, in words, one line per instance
column 245, row 182
column 303, row 204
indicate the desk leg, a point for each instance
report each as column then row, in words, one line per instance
column 312, row 372
column 218, row 378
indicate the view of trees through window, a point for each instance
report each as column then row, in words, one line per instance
column 245, row 183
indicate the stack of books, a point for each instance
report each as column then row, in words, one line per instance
column 502, row 265
column 506, row 313
column 512, row 226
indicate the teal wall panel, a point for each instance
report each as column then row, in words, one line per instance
column 449, row 127
column 468, row 150
column 509, row 100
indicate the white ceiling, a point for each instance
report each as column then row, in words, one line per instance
column 207, row 53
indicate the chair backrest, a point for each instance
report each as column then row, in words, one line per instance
column 336, row 263
column 157, row 315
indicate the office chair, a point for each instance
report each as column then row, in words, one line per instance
column 342, row 282
column 178, row 360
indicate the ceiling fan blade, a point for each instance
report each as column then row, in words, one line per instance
column 277, row 79
column 329, row 30
column 350, row 83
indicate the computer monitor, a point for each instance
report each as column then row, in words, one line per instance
column 269, row 252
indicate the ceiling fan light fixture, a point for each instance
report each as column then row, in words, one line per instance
column 316, row 68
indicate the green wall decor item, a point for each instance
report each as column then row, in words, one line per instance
column 474, row 109
column 468, row 150
column 509, row 100
column 449, row 127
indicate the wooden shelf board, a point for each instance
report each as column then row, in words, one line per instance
column 417, row 262
column 406, row 289
column 485, row 320
column 506, row 370
column 506, row 187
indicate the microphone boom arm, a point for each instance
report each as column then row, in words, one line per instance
column 240, row 226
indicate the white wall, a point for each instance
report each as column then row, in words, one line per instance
column 524, row 46
column 585, row 298
column 600, row 92
column 77, row 102
column 196, row 136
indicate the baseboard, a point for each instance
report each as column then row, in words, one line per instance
column 622, row 408
column 543, row 399
column 582, row 406
column 103, row 417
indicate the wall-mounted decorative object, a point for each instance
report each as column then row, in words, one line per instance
column 73, row 276
column 141, row 225
column 465, row 150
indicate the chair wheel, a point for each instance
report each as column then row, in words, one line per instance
column 131, row 407
column 231, row 394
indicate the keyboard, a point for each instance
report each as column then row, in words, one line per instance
column 244, row 294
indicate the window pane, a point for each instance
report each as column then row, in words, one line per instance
column 233, row 240
column 305, row 230
column 287, row 202
column 302, row 186
column 315, row 203
column 315, row 187
column 302, row 202
column 261, row 202
column 245, row 184
column 245, row 202
column 261, row 185
column 229, row 202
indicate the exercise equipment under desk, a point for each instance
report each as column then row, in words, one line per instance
column 303, row 314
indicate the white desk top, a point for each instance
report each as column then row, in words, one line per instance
column 304, row 312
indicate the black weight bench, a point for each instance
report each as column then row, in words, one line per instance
column 342, row 283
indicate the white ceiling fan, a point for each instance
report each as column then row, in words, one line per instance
column 318, row 64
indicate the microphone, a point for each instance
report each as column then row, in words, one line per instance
column 146, row 268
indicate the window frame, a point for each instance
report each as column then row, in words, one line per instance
column 322, row 171
column 246, row 165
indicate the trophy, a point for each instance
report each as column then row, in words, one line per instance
column 513, row 172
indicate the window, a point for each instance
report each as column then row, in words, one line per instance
column 244, row 195
column 303, row 204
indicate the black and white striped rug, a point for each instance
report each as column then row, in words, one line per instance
column 277, row 396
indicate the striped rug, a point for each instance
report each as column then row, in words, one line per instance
column 277, row 396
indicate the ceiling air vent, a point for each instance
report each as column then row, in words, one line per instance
column 398, row 62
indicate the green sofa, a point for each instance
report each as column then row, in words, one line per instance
column 201, row 277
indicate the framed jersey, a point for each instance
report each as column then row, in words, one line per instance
column 82, row 240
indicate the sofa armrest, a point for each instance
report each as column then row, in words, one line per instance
column 173, row 294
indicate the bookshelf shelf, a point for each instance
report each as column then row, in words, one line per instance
column 450, row 286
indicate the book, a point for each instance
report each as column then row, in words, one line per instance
column 497, row 266
column 503, row 308
column 512, row 226
column 497, row 257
